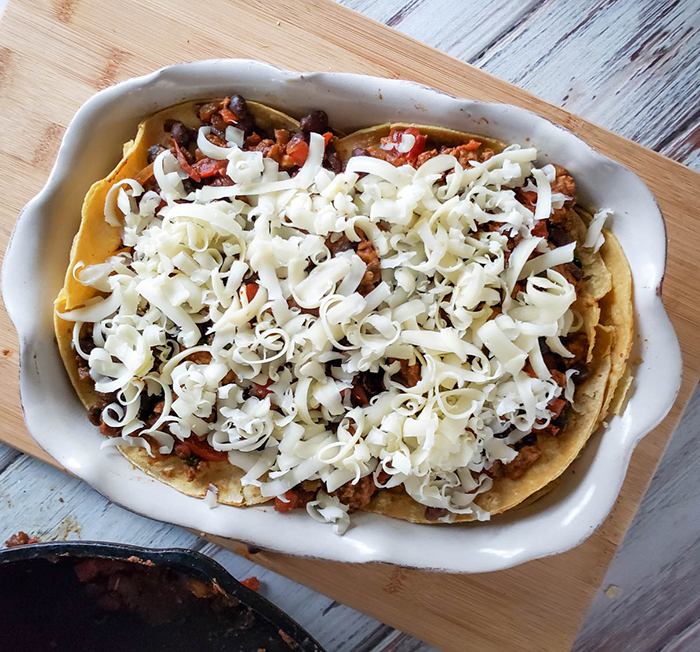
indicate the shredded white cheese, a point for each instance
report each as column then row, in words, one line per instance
column 447, row 301
column 328, row 509
column 210, row 498
column 594, row 235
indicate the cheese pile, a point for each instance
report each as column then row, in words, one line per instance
column 444, row 301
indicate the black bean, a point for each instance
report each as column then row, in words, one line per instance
column 316, row 121
column 434, row 513
column 94, row 414
column 562, row 420
column 373, row 383
column 153, row 152
column 181, row 135
column 238, row 106
column 559, row 236
column 247, row 125
column 331, row 160
column 583, row 373
column 527, row 440
column 360, row 151
column 574, row 270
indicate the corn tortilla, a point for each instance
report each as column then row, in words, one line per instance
column 604, row 304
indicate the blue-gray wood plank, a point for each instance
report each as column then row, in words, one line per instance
column 632, row 66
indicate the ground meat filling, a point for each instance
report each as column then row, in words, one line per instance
column 516, row 469
column 409, row 375
column 364, row 386
column 356, row 496
column 423, row 149
column 296, row 498
column 289, row 151
column 367, row 253
column 373, row 275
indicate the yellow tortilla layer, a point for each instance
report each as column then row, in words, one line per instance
column 95, row 242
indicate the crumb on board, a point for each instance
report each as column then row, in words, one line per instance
column 613, row 592
column 6, row 352
column 287, row 639
column 253, row 583
column 20, row 539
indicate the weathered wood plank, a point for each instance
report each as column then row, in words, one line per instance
column 629, row 66
column 656, row 574
column 634, row 77
column 466, row 30
column 55, row 506
column 7, row 456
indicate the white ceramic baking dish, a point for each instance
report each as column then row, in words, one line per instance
column 38, row 255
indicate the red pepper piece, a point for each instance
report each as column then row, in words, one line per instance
column 555, row 406
column 472, row 145
column 251, row 289
column 201, row 448
column 209, row 167
column 184, row 163
column 298, row 152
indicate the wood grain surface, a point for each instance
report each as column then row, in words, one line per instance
column 78, row 54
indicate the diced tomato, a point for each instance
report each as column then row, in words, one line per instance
column 252, row 583
column 201, row 448
column 540, row 230
column 298, row 151
column 396, row 136
column 555, row 406
column 471, row 145
column 228, row 116
column 296, row 498
column 292, row 499
column 225, row 112
column 419, row 146
column 209, row 167
column 327, row 137
column 261, row 391
column 251, row 289
column 527, row 368
column 383, row 477
column 184, row 163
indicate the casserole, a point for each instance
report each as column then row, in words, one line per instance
column 558, row 522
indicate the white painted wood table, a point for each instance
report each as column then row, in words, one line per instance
column 632, row 66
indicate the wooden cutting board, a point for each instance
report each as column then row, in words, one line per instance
column 54, row 54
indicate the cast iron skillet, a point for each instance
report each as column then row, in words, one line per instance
column 99, row 597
